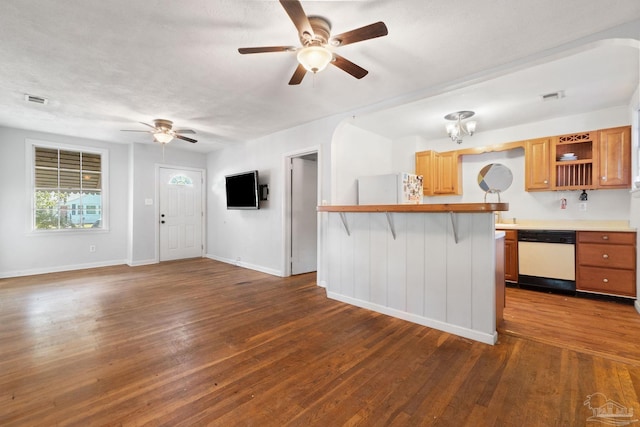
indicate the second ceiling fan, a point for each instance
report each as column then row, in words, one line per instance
column 315, row 35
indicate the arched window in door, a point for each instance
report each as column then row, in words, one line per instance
column 180, row 180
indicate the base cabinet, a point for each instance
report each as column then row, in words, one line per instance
column 606, row 263
column 511, row 256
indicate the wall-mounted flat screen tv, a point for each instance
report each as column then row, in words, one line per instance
column 242, row 190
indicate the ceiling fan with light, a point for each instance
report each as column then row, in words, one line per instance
column 163, row 132
column 315, row 36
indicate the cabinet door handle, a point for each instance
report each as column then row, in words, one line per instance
column 605, row 280
column 605, row 237
column 546, row 182
column 605, row 256
column 604, row 178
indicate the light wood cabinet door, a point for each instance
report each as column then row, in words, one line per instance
column 538, row 164
column 441, row 172
column 448, row 173
column 425, row 167
column 511, row 256
column 615, row 158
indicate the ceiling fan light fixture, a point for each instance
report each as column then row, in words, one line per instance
column 314, row 58
column 163, row 137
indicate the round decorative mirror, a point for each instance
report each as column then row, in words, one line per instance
column 494, row 178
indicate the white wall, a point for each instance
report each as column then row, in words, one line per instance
column 143, row 233
column 132, row 234
column 357, row 152
column 255, row 238
column 23, row 252
column 634, row 211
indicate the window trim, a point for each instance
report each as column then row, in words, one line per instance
column 30, row 170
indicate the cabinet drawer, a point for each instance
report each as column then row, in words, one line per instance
column 616, row 237
column 604, row 255
column 608, row 281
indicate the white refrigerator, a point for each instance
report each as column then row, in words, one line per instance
column 390, row 189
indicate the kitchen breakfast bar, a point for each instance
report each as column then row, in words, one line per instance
column 431, row 264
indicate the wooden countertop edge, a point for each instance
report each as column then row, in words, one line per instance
column 430, row 208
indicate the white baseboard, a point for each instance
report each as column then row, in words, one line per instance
column 424, row 321
column 242, row 264
column 142, row 262
column 57, row 269
column 637, row 305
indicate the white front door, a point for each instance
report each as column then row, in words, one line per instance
column 304, row 215
column 181, row 215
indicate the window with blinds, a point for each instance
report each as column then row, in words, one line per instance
column 68, row 190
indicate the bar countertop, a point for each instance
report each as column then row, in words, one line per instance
column 421, row 208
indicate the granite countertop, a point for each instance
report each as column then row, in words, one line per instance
column 577, row 225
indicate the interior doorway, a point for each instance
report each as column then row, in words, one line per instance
column 181, row 213
column 301, row 213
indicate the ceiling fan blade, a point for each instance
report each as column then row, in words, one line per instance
column 186, row 139
column 135, row 130
column 147, row 124
column 367, row 32
column 344, row 64
column 297, row 15
column 190, row 131
column 265, row 49
column 298, row 75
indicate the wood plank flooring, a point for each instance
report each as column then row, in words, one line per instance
column 201, row 343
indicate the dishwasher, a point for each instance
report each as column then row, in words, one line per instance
column 547, row 259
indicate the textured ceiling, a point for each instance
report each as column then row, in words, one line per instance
column 106, row 65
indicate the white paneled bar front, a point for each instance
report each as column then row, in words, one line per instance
column 429, row 264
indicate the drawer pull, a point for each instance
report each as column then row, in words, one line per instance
column 605, row 280
column 605, row 256
column 605, row 237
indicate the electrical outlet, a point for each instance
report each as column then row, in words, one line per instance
column 92, row 248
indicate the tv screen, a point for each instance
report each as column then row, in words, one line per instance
column 242, row 190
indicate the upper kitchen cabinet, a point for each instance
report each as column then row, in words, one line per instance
column 441, row 172
column 424, row 167
column 614, row 151
column 537, row 157
column 573, row 161
column 598, row 159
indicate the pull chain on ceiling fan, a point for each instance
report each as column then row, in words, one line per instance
column 315, row 36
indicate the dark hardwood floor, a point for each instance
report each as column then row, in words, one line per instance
column 199, row 343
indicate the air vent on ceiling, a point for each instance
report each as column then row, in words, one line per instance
column 553, row 96
column 36, row 99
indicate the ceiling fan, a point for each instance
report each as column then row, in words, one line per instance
column 163, row 132
column 315, row 36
